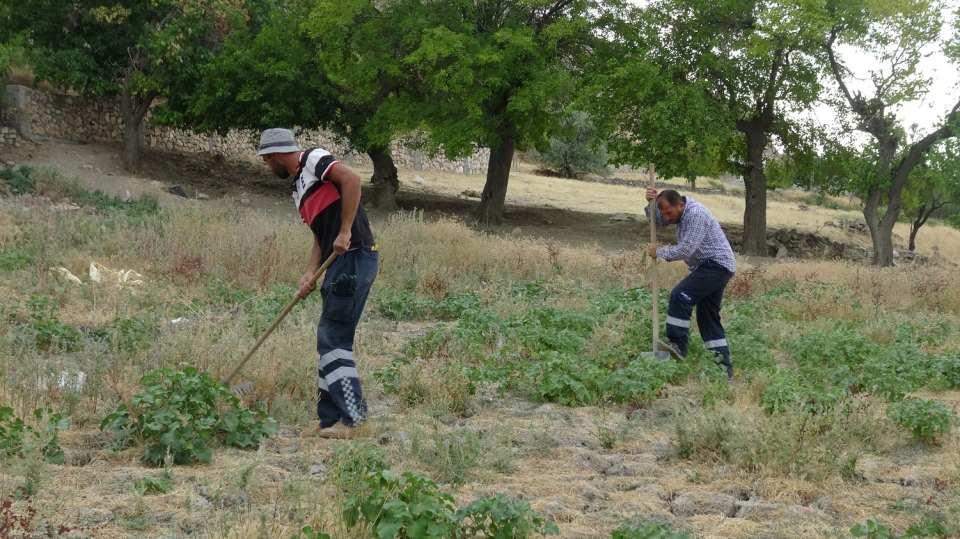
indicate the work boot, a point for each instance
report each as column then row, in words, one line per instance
column 670, row 348
column 339, row 431
column 729, row 369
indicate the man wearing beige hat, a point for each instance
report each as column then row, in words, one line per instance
column 326, row 194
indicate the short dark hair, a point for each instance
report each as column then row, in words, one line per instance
column 672, row 197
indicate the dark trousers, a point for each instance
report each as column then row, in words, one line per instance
column 344, row 290
column 702, row 289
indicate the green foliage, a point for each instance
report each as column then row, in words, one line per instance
column 15, row 258
column 454, row 455
column 20, row 439
column 947, row 369
column 17, row 180
column 402, row 505
column 398, row 505
column 576, row 147
column 45, row 329
column 683, row 100
column 154, row 484
column 925, row 419
column 179, row 414
column 647, row 530
column 24, row 179
column 351, row 463
column 872, row 529
column 498, row 517
column 787, row 392
column 710, row 436
column 309, row 533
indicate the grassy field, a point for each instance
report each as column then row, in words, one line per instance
column 493, row 366
column 784, row 209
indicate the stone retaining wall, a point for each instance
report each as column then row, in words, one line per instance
column 36, row 113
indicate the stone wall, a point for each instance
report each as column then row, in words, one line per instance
column 9, row 136
column 36, row 113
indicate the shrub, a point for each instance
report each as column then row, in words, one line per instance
column 576, row 147
column 179, row 414
column 647, row 530
column 872, row 529
column 925, row 419
column 641, row 381
column 15, row 259
column 154, row 484
column 498, row 517
column 19, row 439
column 45, row 328
column 402, row 505
column 787, row 392
column 708, row 436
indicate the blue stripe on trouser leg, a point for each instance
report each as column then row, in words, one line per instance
column 345, row 289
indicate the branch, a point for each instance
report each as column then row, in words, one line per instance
column 547, row 17
column 919, row 148
column 835, row 68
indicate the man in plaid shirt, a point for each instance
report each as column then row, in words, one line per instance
column 703, row 246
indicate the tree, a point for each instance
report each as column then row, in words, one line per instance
column 717, row 81
column 897, row 33
column 576, row 147
column 312, row 64
column 934, row 187
column 497, row 74
column 126, row 49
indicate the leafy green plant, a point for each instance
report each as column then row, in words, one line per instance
column 647, row 530
column 179, row 414
column 18, row 439
column 925, row 419
column 498, row 517
column 45, row 328
column 402, row 505
column 872, row 529
column 18, row 180
column 15, row 258
column 307, row 532
column 154, row 484
column 12, row 431
column 452, row 455
column 786, row 392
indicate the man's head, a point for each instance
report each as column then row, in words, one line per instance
column 671, row 205
column 279, row 151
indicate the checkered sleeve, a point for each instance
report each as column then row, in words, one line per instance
column 694, row 232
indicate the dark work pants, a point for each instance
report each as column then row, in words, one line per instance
column 702, row 289
column 344, row 290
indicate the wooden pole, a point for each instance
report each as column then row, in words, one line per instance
column 283, row 314
column 654, row 289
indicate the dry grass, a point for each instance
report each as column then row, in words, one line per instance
column 529, row 189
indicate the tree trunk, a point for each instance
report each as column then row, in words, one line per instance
column 755, row 212
column 915, row 225
column 385, row 181
column 882, row 244
column 494, row 194
column 133, row 111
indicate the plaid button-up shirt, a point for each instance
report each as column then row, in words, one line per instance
column 699, row 238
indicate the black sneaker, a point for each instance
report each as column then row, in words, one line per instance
column 670, row 348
